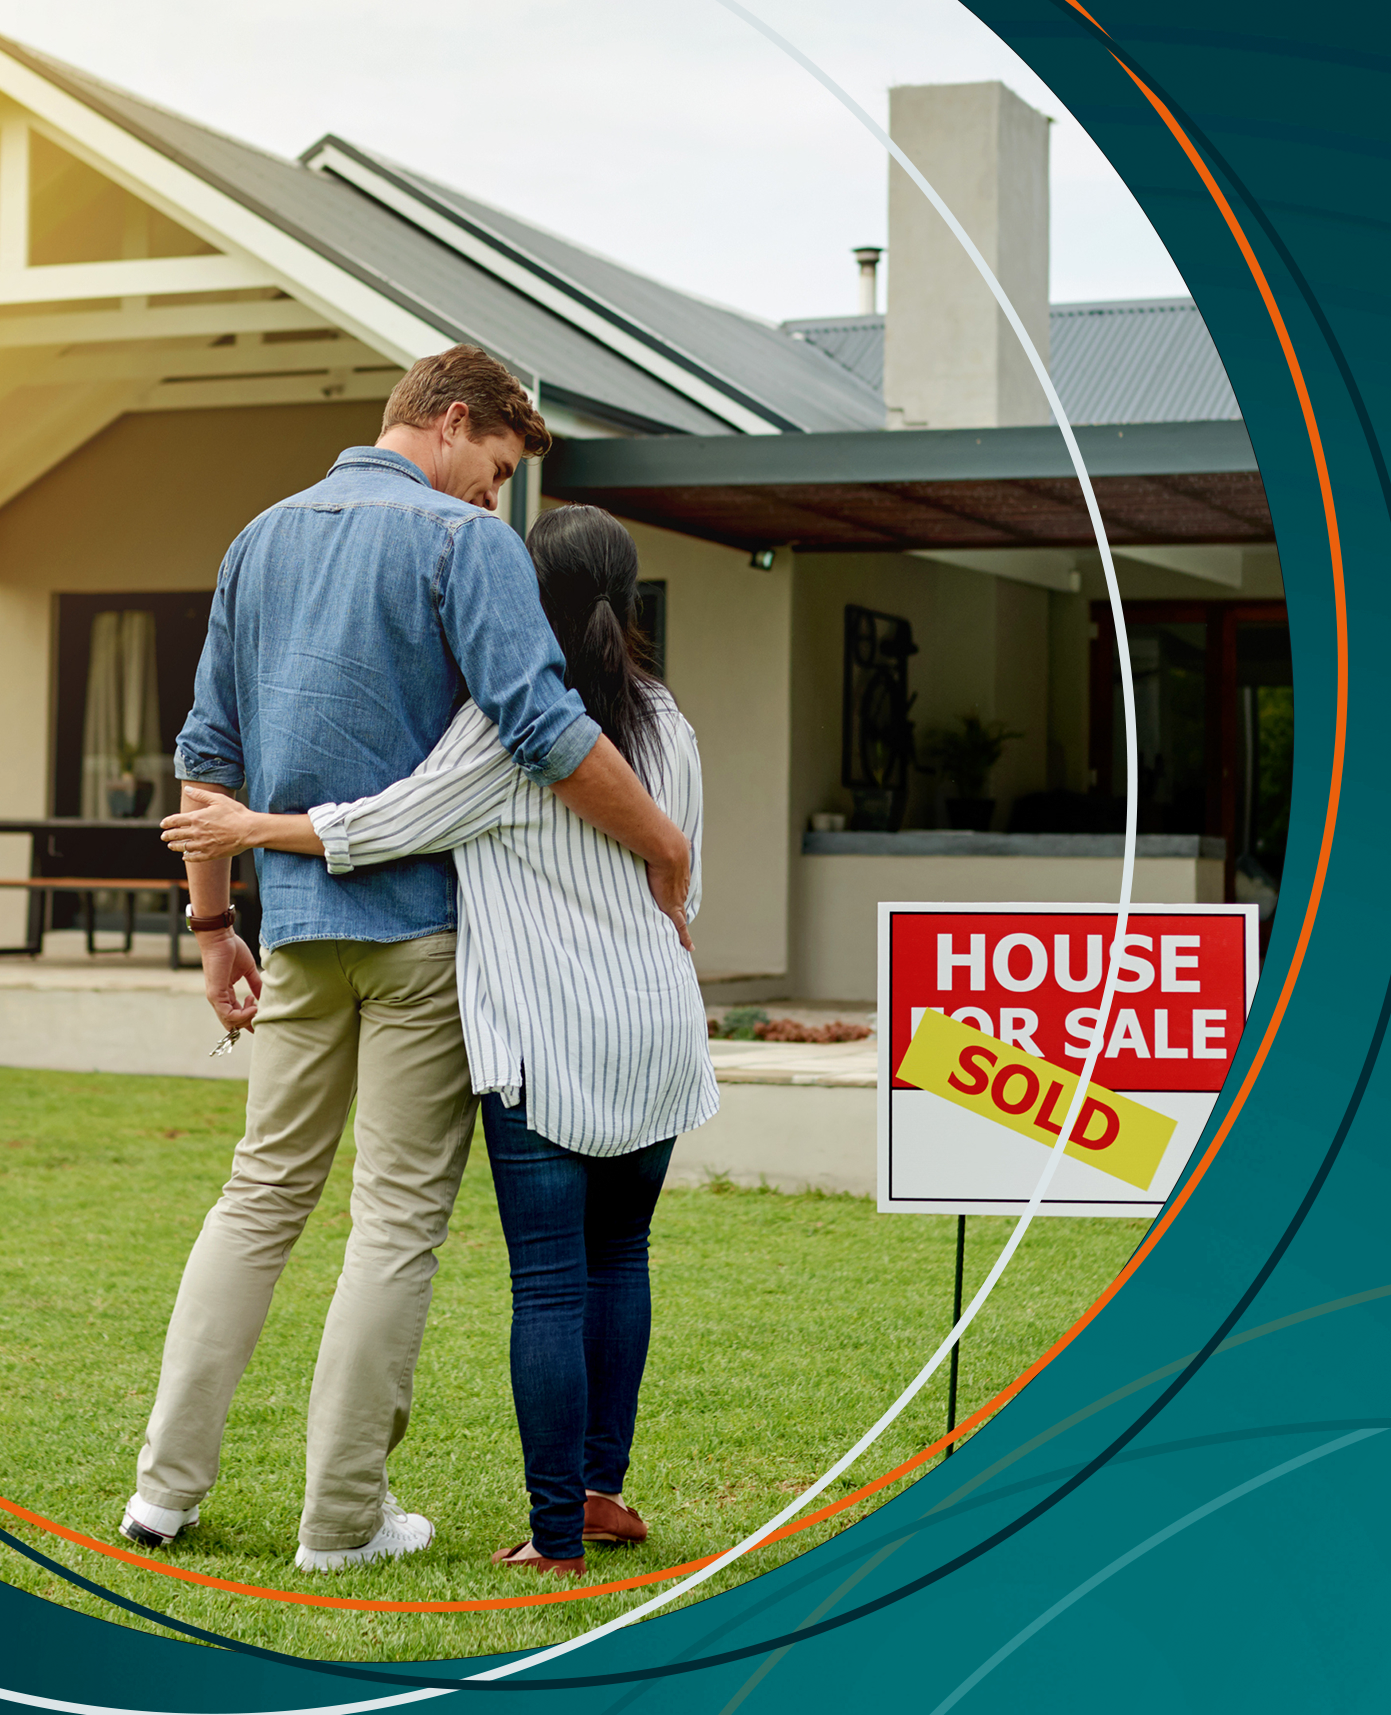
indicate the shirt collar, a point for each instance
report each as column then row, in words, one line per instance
column 382, row 458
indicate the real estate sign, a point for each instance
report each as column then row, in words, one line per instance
column 986, row 1014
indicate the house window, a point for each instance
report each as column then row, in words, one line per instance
column 652, row 622
column 120, row 625
column 1214, row 718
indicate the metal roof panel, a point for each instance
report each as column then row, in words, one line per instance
column 1148, row 361
column 793, row 376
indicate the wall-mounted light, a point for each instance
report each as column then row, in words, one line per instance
column 762, row 559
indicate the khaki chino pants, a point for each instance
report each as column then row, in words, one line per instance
column 336, row 1018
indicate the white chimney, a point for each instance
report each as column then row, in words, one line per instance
column 951, row 360
column 867, row 255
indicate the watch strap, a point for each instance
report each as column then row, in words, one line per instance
column 219, row 920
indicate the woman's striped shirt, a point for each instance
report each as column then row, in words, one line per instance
column 570, row 978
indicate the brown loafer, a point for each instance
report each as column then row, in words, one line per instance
column 611, row 1521
column 539, row 1562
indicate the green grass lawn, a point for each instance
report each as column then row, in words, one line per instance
column 784, row 1326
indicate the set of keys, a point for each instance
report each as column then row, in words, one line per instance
column 227, row 1044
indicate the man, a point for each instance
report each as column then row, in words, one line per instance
column 347, row 622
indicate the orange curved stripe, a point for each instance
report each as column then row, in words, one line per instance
column 188, row 1576
column 1159, row 1228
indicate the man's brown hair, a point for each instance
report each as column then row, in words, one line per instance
column 495, row 398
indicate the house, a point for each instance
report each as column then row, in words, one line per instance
column 847, row 526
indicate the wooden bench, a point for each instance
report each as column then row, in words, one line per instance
column 87, row 886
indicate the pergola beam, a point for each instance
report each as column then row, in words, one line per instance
column 154, row 364
column 179, row 321
column 142, row 276
column 269, row 390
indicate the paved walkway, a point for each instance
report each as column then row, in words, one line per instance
column 65, row 965
column 847, row 1063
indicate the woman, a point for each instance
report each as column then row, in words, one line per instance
column 585, row 1029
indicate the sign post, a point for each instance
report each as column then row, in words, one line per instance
column 955, row 1318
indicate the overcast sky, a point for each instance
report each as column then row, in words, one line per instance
column 665, row 133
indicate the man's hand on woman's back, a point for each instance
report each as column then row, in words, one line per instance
column 605, row 792
column 671, row 887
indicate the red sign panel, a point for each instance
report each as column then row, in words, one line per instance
column 1034, row 981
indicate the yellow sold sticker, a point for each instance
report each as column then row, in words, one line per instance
column 1032, row 1096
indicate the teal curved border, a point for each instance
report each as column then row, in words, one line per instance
column 1276, row 1600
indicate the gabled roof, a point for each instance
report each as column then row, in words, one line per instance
column 597, row 336
column 1149, row 361
column 805, row 389
column 855, row 342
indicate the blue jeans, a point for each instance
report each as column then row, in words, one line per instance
column 576, row 1229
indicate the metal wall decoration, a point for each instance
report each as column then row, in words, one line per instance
column 876, row 732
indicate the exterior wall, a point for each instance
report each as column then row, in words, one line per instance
column 825, row 584
column 839, row 900
column 951, row 360
column 729, row 663
column 983, row 646
column 151, row 503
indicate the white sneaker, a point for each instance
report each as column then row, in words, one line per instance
column 401, row 1533
column 152, row 1526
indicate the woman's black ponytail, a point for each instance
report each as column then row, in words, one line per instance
column 587, row 568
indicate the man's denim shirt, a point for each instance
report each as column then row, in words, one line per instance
column 349, row 623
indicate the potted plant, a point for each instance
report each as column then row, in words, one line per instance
column 966, row 753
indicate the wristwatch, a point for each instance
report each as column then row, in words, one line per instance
column 220, row 920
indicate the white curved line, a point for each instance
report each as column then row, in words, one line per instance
column 1086, row 1587
column 1117, row 944
column 62, row 1705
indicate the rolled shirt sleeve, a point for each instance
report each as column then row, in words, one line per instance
column 330, row 824
column 491, row 613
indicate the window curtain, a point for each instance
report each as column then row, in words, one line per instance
column 120, row 732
